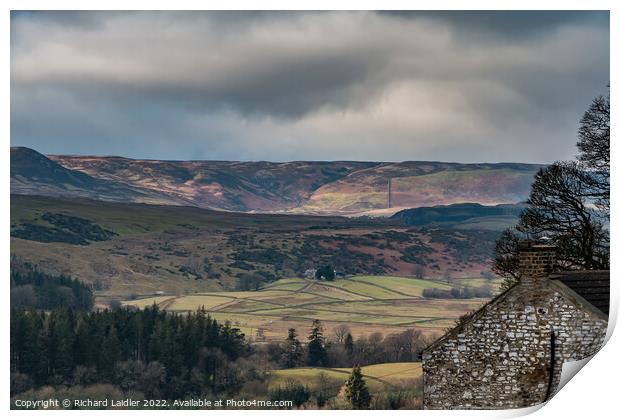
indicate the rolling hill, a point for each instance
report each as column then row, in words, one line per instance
column 135, row 248
column 418, row 184
column 465, row 215
column 34, row 174
column 326, row 188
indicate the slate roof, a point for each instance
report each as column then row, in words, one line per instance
column 592, row 285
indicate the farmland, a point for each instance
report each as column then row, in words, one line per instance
column 366, row 304
column 380, row 377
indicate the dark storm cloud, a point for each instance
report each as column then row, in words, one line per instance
column 306, row 85
column 256, row 63
column 508, row 24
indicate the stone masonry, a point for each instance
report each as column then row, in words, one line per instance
column 509, row 354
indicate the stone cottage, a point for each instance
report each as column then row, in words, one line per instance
column 509, row 354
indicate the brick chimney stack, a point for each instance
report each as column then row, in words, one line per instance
column 536, row 259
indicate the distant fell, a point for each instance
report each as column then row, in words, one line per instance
column 323, row 188
column 35, row 174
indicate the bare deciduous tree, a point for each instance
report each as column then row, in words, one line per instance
column 593, row 145
column 558, row 208
column 568, row 204
column 340, row 332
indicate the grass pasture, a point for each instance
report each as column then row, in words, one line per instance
column 142, row 303
column 366, row 304
column 402, row 285
column 381, row 377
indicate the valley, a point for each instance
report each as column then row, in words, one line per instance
column 365, row 304
column 242, row 245
column 121, row 249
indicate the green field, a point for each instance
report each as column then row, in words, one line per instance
column 381, row 377
column 366, row 304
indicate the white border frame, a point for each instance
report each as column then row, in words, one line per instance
column 592, row 394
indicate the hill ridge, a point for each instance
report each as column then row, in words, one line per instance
column 311, row 187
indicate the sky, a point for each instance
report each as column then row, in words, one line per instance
column 278, row 86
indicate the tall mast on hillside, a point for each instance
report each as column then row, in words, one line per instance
column 389, row 197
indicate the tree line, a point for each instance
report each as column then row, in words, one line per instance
column 344, row 350
column 458, row 292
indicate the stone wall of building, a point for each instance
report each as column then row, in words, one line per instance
column 502, row 356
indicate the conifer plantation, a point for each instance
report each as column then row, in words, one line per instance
column 151, row 351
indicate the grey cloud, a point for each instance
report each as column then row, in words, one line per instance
column 296, row 85
column 508, row 24
column 257, row 66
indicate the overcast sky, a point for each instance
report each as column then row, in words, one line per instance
column 450, row 86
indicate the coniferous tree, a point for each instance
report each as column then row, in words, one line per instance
column 40, row 371
column 109, row 353
column 348, row 344
column 61, row 341
column 292, row 350
column 81, row 345
column 24, row 340
column 317, row 355
column 327, row 272
column 356, row 391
